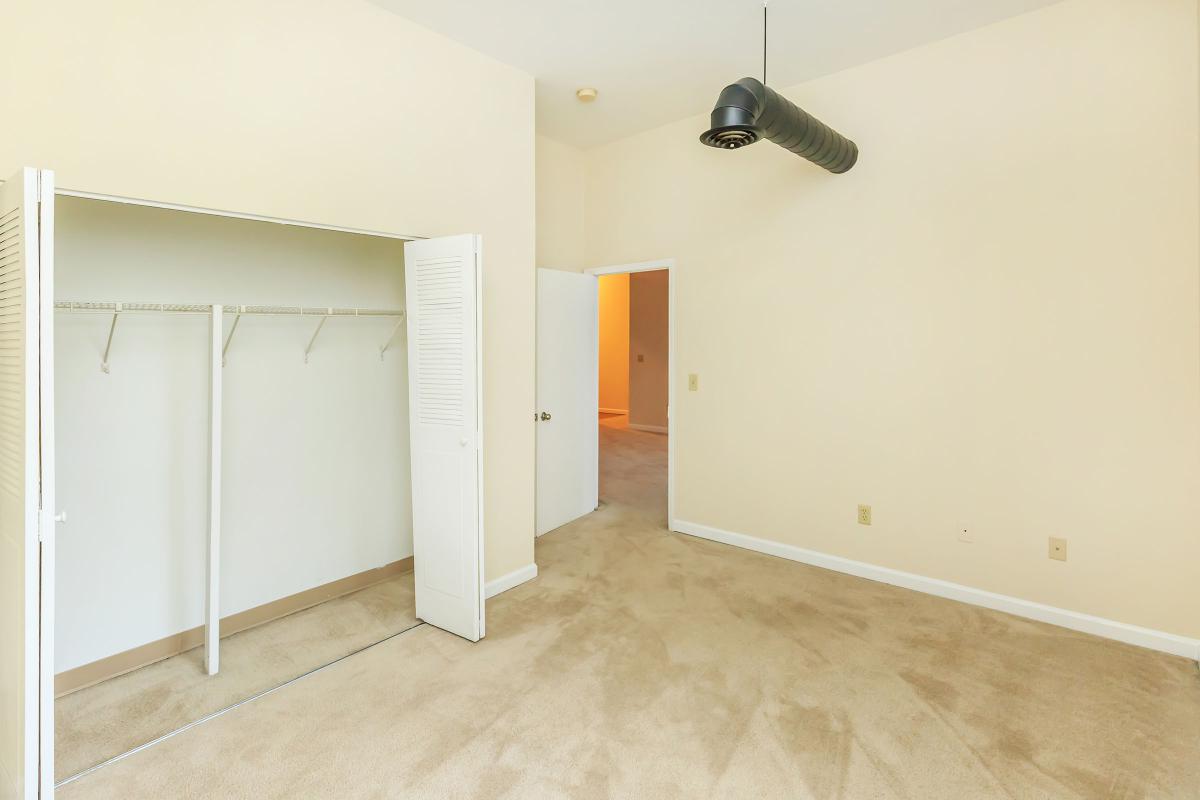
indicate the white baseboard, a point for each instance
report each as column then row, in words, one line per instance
column 649, row 428
column 614, row 411
column 1098, row 626
column 511, row 580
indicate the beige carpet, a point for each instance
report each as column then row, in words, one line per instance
column 645, row 664
column 110, row 718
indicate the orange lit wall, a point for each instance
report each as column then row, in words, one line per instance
column 614, row 343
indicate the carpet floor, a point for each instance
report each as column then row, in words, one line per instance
column 99, row 722
column 646, row 664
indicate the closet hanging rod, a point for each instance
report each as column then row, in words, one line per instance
column 187, row 308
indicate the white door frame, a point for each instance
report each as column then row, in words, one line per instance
column 50, row 516
column 672, row 364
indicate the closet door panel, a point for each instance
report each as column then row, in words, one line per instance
column 442, row 283
column 20, row 486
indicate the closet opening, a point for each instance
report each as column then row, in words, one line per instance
column 315, row 518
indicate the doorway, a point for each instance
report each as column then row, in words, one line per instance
column 633, row 376
column 606, row 376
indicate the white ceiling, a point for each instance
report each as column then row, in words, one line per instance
column 657, row 61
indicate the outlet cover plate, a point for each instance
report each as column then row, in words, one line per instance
column 1058, row 548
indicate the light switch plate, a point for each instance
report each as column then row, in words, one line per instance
column 693, row 382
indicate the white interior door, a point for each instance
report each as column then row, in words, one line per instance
column 442, row 283
column 568, row 397
column 26, row 365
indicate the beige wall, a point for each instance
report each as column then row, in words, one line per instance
column 648, row 348
column 991, row 322
column 324, row 110
column 560, row 210
column 614, row 342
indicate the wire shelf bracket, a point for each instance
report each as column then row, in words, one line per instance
column 238, row 311
column 229, row 339
column 316, row 333
column 391, row 338
column 112, row 329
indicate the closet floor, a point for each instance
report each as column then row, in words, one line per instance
column 98, row 722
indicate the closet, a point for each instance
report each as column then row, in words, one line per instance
column 228, row 399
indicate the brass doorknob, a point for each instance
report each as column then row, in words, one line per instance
column 545, row 416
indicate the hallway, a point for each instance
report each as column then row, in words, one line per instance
column 633, row 468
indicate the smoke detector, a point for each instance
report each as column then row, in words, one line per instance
column 586, row 94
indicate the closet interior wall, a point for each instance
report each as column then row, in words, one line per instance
column 315, row 455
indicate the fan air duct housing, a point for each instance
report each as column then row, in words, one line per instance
column 747, row 111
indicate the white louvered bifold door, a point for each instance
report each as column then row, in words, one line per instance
column 21, row 316
column 442, row 290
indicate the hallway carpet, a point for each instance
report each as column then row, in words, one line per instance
column 646, row 664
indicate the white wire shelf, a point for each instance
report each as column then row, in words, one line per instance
column 116, row 309
column 104, row 307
